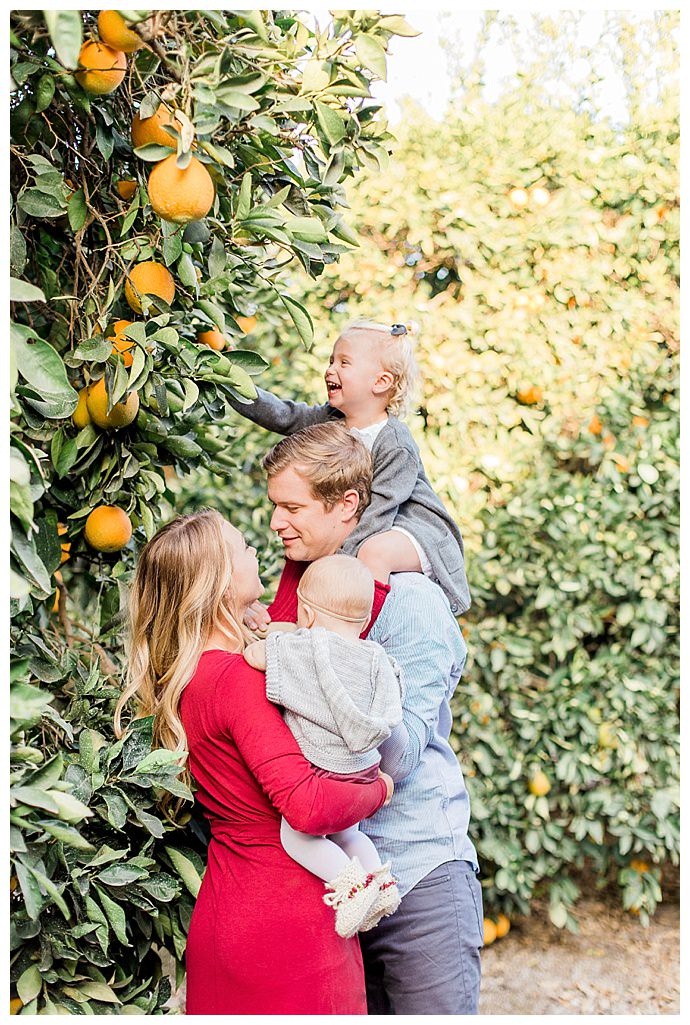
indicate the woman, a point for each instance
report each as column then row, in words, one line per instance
column 261, row 940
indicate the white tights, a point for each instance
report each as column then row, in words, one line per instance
column 326, row 857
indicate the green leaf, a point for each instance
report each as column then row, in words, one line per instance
column 237, row 100
column 67, row 835
column 69, row 809
column 186, row 271
column 245, row 197
column 371, row 55
column 27, row 702
column 39, row 204
column 34, row 797
column 25, row 292
column 29, row 984
column 45, row 90
column 315, row 77
column 41, row 367
column 300, row 318
column 99, row 991
column 33, row 898
column 51, row 889
column 213, row 312
column 256, row 22
column 186, row 870
column 25, row 550
column 251, row 362
column 330, row 122
column 396, row 24
column 153, row 153
column 216, row 258
column 66, row 34
column 172, row 242
column 115, row 915
column 157, row 760
column 308, row 229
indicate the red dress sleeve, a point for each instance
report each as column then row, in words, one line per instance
column 309, row 802
column 284, row 606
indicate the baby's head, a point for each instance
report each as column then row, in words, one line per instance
column 372, row 369
column 338, row 588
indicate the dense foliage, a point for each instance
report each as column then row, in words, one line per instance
column 113, row 393
column 537, row 245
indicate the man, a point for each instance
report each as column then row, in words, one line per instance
column 425, row 958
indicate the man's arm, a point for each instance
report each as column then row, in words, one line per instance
column 421, row 634
column 280, row 415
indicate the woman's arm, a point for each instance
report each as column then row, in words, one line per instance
column 310, row 803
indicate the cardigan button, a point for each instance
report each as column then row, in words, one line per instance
column 454, row 607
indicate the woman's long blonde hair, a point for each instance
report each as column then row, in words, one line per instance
column 182, row 591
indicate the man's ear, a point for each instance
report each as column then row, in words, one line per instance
column 383, row 383
column 350, row 502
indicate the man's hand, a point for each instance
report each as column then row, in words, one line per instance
column 257, row 618
column 389, row 786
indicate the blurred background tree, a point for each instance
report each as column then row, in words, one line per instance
column 536, row 242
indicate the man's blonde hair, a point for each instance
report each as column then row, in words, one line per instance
column 396, row 353
column 330, row 459
column 338, row 585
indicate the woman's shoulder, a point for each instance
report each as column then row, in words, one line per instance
column 224, row 683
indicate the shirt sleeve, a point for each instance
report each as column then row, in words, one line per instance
column 395, row 474
column 423, row 646
column 309, row 802
column 280, row 415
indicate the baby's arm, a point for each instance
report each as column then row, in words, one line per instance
column 255, row 655
column 280, row 415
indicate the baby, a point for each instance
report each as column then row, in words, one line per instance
column 341, row 698
column 369, row 379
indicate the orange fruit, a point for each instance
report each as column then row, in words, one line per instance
column 126, row 188
column 489, row 932
column 102, row 68
column 62, row 530
column 122, row 345
column 15, row 1005
column 540, row 196
column 518, row 198
column 530, row 396
column 113, row 30
column 214, row 338
column 539, row 784
column 152, row 129
column 247, row 324
column 609, row 442
column 640, row 421
column 621, row 462
column 149, row 278
column 639, row 866
column 502, row 926
column 107, row 528
column 80, row 416
column 120, row 415
column 56, row 603
column 179, row 195
column 595, row 425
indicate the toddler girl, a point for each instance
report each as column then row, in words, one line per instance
column 369, row 380
column 341, row 697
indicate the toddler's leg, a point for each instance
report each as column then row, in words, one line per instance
column 358, row 845
column 388, row 553
column 320, row 856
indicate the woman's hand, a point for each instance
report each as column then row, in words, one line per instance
column 257, row 618
column 389, row 786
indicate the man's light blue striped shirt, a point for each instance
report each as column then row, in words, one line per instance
column 427, row 821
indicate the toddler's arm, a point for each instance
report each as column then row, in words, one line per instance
column 280, row 415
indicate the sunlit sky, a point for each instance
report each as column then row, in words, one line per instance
column 418, row 67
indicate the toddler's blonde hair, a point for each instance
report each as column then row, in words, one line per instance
column 340, row 586
column 397, row 357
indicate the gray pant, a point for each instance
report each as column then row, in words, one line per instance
column 424, row 959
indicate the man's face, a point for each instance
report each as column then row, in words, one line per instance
column 306, row 527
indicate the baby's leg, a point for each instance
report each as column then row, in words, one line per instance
column 318, row 855
column 357, row 845
column 391, row 552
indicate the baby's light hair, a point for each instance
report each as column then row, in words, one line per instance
column 340, row 586
column 397, row 357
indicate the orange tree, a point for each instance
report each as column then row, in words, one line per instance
column 166, row 167
column 536, row 243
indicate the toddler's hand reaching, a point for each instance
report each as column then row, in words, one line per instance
column 257, row 618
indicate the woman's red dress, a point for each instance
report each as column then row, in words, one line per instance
column 261, row 940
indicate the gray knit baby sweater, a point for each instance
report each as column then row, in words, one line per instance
column 341, row 698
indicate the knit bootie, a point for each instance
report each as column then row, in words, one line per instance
column 353, row 894
column 388, row 898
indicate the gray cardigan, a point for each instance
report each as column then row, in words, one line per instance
column 401, row 493
column 341, row 698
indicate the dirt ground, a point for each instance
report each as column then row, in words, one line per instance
column 614, row 966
